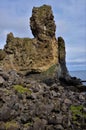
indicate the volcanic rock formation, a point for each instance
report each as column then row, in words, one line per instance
column 47, row 103
column 43, row 54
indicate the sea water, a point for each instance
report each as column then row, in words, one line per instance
column 79, row 74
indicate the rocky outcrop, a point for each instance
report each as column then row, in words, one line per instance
column 26, row 55
column 42, row 23
column 62, row 57
column 37, row 55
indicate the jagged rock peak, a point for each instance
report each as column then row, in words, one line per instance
column 9, row 37
column 42, row 22
column 62, row 56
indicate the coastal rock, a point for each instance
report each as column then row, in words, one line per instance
column 42, row 23
column 5, row 113
column 43, row 55
column 2, row 126
column 31, row 104
column 4, row 75
column 27, row 103
column 62, row 57
column 37, row 55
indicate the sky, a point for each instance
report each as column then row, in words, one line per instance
column 70, row 20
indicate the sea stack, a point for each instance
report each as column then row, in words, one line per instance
column 44, row 54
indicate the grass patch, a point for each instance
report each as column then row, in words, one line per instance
column 21, row 89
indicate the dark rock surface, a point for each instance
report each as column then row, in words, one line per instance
column 27, row 104
column 62, row 57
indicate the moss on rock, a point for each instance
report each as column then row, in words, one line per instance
column 76, row 110
column 21, row 89
column 11, row 125
column 51, row 70
column 78, row 115
column 27, row 124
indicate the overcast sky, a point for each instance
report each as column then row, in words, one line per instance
column 70, row 19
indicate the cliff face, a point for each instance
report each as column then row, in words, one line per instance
column 38, row 55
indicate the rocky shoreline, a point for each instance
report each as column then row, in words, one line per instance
column 36, row 90
column 27, row 104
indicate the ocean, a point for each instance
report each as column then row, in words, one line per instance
column 79, row 74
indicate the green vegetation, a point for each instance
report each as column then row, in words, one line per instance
column 77, row 111
column 51, row 70
column 11, row 124
column 21, row 89
column 28, row 124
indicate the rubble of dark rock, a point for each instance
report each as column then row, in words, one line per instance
column 27, row 104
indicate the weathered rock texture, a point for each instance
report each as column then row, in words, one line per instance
column 62, row 57
column 42, row 23
column 40, row 54
column 27, row 104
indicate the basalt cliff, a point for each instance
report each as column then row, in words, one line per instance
column 36, row 90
